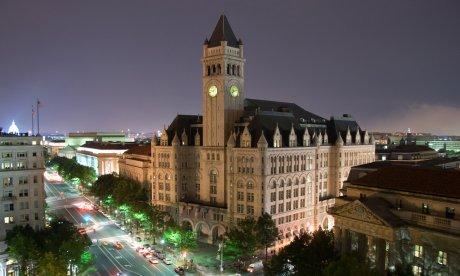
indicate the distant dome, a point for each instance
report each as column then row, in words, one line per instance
column 13, row 128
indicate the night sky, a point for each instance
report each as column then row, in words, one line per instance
column 112, row 65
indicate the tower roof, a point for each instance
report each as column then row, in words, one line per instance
column 223, row 32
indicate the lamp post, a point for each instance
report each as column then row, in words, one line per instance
column 221, row 249
column 162, row 242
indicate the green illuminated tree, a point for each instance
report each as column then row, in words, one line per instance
column 49, row 264
column 181, row 239
column 241, row 242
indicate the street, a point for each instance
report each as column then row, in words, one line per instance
column 64, row 201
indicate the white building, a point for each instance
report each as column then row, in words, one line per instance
column 22, row 191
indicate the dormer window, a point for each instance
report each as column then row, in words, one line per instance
column 425, row 208
column 277, row 143
column 450, row 213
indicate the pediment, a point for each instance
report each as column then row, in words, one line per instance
column 358, row 211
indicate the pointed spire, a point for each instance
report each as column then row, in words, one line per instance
column 154, row 141
column 306, row 138
column 277, row 138
column 292, row 137
column 366, row 137
column 184, row 138
column 175, row 140
column 339, row 141
column 223, row 32
column 197, row 138
column 348, row 137
column 245, row 138
column 231, row 140
column 262, row 143
column 358, row 137
column 325, row 138
column 372, row 140
column 319, row 139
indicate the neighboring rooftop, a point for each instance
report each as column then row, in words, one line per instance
column 140, row 149
column 428, row 181
column 109, row 145
column 96, row 134
column 407, row 149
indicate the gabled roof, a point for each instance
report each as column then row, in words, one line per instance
column 223, row 32
column 185, row 122
column 426, row 181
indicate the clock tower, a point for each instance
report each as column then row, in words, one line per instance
column 223, row 84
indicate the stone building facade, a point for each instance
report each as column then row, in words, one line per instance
column 243, row 157
column 136, row 164
column 401, row 216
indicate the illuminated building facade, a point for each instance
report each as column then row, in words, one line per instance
column 243, row 156
column 399, row 215
column 102, row 156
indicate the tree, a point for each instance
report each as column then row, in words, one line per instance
column 241, row 242
column 49, row 264
column 181, row 239
column 307, row 254
column 266, row 232
column 349, row 265
column 22, row 246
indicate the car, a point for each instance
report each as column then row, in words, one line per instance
column 147, row 255
column 81, row 231
column 179, row 270
column 167, row 261
column 161, row 256
column 153, row 261
column 139, row 249
column 118, row 245
column 255, row 266
column 105, row 243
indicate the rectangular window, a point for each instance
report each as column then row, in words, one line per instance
column 9, row 220
column 213, row 200
column 273, row 196
column 7, row 181
column 281, row 208
column 418, row 251
column 450, row 213
column 240, row 196
column 272, row 209
column 280, row 195
column 250, row 210
column 23, row 180
column 250, row 197
column 425, row 208
column 442, row 258
column 240, row 208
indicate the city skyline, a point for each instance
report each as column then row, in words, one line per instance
column 395, row 72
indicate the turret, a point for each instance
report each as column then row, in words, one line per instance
column 184, row 138
column 245, row 138
column 366, row 137
column 231, row 140
column 197, row 138
column 277, row 138
column 175, row 140
column 339, row 141
column 164, row 138
column 292, row 137
column 372, row 140
column 154, row 141
column 306, row 138
column 262, row 143
column 348, row 137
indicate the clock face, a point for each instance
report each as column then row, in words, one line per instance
column 212, row 91
column 234, row 91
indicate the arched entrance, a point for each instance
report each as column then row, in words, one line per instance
column 202, row 232
column 217, row 232
column 187, row 225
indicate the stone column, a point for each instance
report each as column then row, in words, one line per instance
column 380, row 254
column 362, row 246
column 337, row 238
column 345, row 244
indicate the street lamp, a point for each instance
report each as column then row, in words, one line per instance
column 162, row 242
column 221, row 249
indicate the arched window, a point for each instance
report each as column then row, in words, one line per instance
column 209, row 70
column 213, row 69
column 273, row 186
column 218, row 69
column 303, row 180
column 239, row 184
column 296, row 181
column 289, row 182
column 213, row 177
column 238, row 70
column 250, row 185
column 233, row 70
column 228, row 69
column 281, row 184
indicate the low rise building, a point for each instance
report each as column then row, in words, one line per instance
column 401, row 216
column 136, row 164
column 102, row 156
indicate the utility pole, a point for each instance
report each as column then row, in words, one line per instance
column 221, row 249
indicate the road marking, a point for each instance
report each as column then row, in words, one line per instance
column 122, row 265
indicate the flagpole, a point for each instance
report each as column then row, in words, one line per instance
column 33, row 129
column 38, row 117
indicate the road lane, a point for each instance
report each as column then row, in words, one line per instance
column 108, row 260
